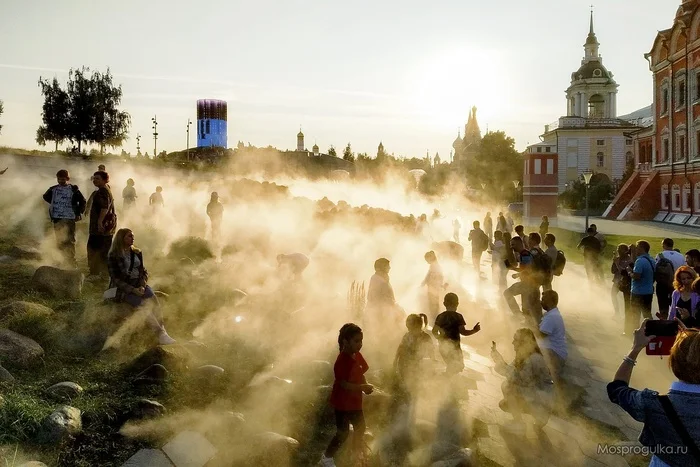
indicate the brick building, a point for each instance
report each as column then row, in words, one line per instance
column 666, row 185
column 540, row 183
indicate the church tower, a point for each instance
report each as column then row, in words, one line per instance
column 593, row 91
column 300, row 141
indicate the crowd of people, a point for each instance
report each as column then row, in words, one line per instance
column 533, row 380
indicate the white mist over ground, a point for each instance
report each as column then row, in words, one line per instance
column 296, row 322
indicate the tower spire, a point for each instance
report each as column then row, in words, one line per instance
column 590, row 31
column 592, row 44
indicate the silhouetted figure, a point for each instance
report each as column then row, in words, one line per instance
column 215, row 211
column 66, row 207
column 129, row 194
column 435, row 283
column 102, row 226
column 156, row 199
column 488, row 226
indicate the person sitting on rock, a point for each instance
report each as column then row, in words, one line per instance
column 128, row 274
column 528, row 385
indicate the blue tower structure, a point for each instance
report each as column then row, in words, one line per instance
column 212, row 117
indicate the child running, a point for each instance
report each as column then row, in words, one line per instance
column 346, row 397
column 449, row 325
column 415, row 346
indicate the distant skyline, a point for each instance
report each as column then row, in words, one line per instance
column 404, row 73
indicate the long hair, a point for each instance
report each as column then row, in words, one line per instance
column 527, row 345
column 683, row 270
column 347, row 332
column 118, row 247
column 414, row 321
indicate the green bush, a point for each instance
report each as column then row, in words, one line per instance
column 195, row 248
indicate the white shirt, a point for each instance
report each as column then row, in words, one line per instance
column 674, row 257
column 552, row 324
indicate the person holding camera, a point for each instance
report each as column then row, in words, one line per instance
column 672, row 420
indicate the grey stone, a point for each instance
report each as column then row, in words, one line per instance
column 65, row 391
column 5, row 376
column 155, row 373
column 146, row 408
column 23, row 308
column 27, row 253
column 148, row 458
column 64, row 422
column 18, row 350
column 189, row 449
column 274, row 448
column 209, row 371
column 58, row 283
column 33, row 464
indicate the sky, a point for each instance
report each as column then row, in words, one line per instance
column 402, row 72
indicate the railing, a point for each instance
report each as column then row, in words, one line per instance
column 644, row 167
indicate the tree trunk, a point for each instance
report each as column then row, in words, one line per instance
column 78, row 146
column 56, row 148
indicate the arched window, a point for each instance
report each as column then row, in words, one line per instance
column 664, row 196
column 685, row 197
column 675, row 198
column 600, row 160
column 597, row 73
column 596, row 106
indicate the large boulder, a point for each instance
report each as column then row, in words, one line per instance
column 175, row 358
column 58, row 283
column 65, row 391
column 23, row 308
column 18, row 350
column 63, row 423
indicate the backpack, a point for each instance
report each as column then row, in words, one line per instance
column 559, row 263
column 664, row 271
column 480, row 242
column 541, row 265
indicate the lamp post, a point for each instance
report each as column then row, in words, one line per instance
column 587, row 179
column 516, row 184
column 155, row 136
column 138, row 144
column 189, row 122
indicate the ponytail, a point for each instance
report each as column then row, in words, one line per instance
column 346, row 332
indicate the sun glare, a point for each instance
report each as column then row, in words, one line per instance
column 447, row 84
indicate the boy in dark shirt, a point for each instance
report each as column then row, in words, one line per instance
column 449, row 325
column 592, row 249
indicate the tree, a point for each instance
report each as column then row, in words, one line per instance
column 86, row 111
column 599, row 194
column 496, row 164
column 348, row 154
column 1, row 110
column 331, row 151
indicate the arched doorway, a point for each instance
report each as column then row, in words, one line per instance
column 596, row 106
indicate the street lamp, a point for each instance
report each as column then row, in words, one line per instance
column 188, row 139
column 155, row 136
column 587, row 175
column 138, row 144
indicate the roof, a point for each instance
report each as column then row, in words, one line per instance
column 588, row 71
column 643, row 117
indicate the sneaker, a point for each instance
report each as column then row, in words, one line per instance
column 165, row 339
column 326, row 461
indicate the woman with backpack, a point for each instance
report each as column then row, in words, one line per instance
column 621, row 281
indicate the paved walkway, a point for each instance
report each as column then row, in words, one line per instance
column 596, row 348
column 640, row 228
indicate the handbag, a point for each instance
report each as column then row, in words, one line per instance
column 678, row 426
column 109, row 222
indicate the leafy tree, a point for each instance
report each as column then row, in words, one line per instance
column 331, row 151
column 599, row 194
column 348, row 155
column 496, row 164
column 1, row 111
column 86, row 111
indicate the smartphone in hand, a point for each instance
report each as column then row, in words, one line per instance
column 665, row 332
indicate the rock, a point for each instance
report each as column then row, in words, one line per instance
column 63, row 423
column 148, row 458
column 189, row 449
column 155, row 373
column 209, row 371
column 65, row 391
column 146, row 408
column 27, row 253
column 33, row 464
column 263, row 382
column 23, row 308
column 18, row 350
column 174, row 357
column 5, row 376
column 271, row 448
column 58, row 283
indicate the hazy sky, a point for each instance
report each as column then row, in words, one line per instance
column 404, row 72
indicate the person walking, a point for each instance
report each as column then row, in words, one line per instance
column 66, row 207
column 526, row 287
column 456, row 227
column 591, row 254
column 129, row 194
column 502, row 224
column 480, row 243
column 544, row 226
column 215, row 211
column 102, row 227
column 435, row 283
column 642, row 287
column 667, row 263
column 488, row 226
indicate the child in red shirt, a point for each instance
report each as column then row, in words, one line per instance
column 346, row 398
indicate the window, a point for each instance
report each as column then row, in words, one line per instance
column 681, row 147
column 664, row 153
column 697, row 196
column 600, row 142
column 597, row 73
column 681, row 94
column 572, row 160
column 697, row 143
column 208, row 127
column 675, row 198
column 697, row 86
column 628, row 142
column 548, row 149
column 527, row 167
column 539, row 148
column 600, row 160
column 538, row 166
column 686, row 197
column 550, row 166
column 664, row 197
column 664, row 100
